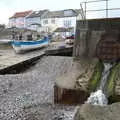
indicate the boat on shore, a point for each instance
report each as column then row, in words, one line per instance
column 5, row 41
column 22, row 46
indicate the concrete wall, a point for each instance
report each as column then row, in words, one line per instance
column 89, row 32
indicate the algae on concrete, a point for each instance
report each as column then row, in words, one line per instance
column 110, row 90
column 95, row 79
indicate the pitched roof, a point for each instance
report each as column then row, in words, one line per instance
column 61, row 13
column 77, row 11
column 63, row 29
column 21, row 14
column 37, row 13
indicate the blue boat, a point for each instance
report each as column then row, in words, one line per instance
column 21, row 46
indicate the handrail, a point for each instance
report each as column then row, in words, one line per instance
column 85, row 11
column 102, row 9
column 82, row 12
column 94, row 1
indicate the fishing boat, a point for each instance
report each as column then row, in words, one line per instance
column 22, row 46
column 5, row 41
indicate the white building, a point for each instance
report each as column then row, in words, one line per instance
column 19, row 19
column 45, row 21
column 59, row 19
column 33, row 21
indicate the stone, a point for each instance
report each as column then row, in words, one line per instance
column 90, row 112
column 78, row 75
column 71, row 87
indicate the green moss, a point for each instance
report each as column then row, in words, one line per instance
column 113, row 99
column 111, row 80
column 94, row 81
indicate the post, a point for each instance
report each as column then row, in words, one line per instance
column 106, row 8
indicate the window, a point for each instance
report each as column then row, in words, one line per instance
column 36, row 12
column 67, row 23
column 68, row 12
column 45, row 21
column 53, row 21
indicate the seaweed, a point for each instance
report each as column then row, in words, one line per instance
column 95, row 79
column 110, row 89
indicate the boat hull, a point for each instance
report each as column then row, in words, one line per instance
column 5, row 41
column 23, row 46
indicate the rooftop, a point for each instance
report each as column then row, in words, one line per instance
column 21, row 14
column 62, row 13
column 37, row 13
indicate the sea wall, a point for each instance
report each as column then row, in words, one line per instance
column 88, row 34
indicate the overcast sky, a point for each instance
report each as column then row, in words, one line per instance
column 9, row 7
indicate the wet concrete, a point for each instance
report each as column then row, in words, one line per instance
column 29, row 95
column 9, row 58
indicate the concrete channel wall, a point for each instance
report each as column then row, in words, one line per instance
column 89, row 32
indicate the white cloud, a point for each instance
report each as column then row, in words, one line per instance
column 4, row 13
column 9, row 7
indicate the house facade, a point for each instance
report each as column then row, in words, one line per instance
column 59, row 19
column 45, row 21
column 33, row 21
column 19, row 19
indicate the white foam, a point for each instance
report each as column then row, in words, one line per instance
column 98, row 97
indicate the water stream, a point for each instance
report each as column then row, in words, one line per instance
column 99, row 97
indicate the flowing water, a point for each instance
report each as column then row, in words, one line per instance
column 99, row 97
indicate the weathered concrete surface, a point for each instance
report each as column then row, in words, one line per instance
column 78, row 75
column 89, row 32
column 8, row 57
column 72, row 86
column 29, row 96
column 89, row 112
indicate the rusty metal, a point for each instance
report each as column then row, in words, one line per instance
column 108, row 47
column 69, row 96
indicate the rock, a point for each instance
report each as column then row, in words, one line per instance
column 78, row 75
column 90, row 112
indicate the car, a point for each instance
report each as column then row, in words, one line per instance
column 69, row 41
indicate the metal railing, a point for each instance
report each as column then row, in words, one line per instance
column 84, row 10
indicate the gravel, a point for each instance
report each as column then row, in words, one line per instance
column 29, row 95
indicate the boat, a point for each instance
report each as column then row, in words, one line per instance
column 22, row 46
column 5, row 41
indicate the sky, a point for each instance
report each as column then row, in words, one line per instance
column 9, row 7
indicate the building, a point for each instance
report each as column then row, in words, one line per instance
column 46, row 21
column 59, row 19
column 33, row 21
column 19, row 19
